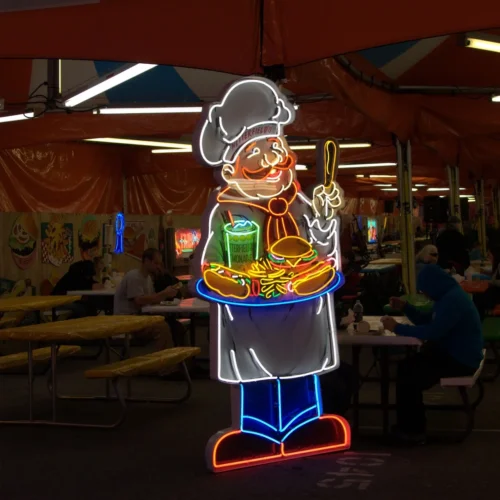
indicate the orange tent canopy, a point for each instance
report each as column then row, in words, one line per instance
column 236, row 37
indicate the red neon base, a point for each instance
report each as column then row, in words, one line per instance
column 232, row 449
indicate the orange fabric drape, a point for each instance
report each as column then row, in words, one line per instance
column 158, row 183
column 60, row 178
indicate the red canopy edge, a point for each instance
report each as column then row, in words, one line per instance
column 225, row 35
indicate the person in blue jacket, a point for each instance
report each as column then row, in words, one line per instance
column 453, row 346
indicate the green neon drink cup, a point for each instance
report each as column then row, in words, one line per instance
column 241, row 243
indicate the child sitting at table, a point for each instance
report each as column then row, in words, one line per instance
column 453, row 346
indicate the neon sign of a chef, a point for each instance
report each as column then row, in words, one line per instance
column 269, row 264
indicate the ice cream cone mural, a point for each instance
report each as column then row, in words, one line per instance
column 269, row 264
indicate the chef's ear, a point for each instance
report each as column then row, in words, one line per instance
column 227, row 172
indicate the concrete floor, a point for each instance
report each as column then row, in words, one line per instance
column 158, row 453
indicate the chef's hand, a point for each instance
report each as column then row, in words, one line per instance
column 326, row 200
column 389, row 323
column 397, row 303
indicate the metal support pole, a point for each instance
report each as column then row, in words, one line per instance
column 454, row 182
column 406, row 215
column 481, row 215
column 124, row 186
column 495, row 196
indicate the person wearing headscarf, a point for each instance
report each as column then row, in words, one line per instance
column 453, row 346
column 428, row 255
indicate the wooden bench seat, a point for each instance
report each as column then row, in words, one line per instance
column 144, row 365
column 148, row 364
column 39, row 355
column 464, row 381
column 468, row 407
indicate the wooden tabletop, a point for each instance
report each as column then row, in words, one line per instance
column 350, row 337
column 194, row 305
column 106, row 292
column 394, row 260
column 89, row 328
column 475, row 286
column 35, row 303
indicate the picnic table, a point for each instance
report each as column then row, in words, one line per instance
column 384, row 343
column 191, row 307
column 388, row 260
column 377, row 268
column 474, row 286
column 36, row 304
column 57, row 333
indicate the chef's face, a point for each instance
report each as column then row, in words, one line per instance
column 264, row 168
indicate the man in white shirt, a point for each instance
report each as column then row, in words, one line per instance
column 136, row 290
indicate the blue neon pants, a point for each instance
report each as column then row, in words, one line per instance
column 274, row 409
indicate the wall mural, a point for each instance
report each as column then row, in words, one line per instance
column 22, row 241
column 57, row 242
column 134, row 239
column 89, row 238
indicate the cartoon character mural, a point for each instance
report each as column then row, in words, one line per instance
column 89, row 238
column 22, row 241
column 269, row 263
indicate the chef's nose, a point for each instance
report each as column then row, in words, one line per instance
column 271, row 159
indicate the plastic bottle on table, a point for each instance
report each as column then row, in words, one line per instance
column 358, row 311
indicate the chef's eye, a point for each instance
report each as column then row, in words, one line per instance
column 255, row 151
column 275, row 145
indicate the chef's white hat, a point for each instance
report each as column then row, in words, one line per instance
column 250, row 109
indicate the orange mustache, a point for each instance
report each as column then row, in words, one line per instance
column 264, row 172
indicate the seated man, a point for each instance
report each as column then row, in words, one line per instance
column 453, row 347
column 163, row 280
column 136, row 290
column 80, row 276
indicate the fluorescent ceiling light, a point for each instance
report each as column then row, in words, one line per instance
column 395, row 189
column 342, row 145
column 420, row 185
column 148, row 111
column 383, row 185
column 472, row 200
column 137, row 142
column 368, row 165
column 110, row 82
column 171, row 150
column 467, row 196
column 16, row 118
column 300, row 167
column 443, row 189
column 482, row 41
column 375, row 175
column 495, row 98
